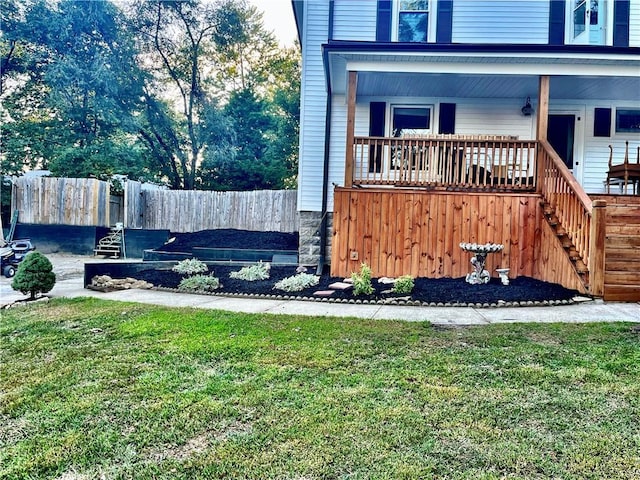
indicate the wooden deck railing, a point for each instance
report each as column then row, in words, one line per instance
column 461, row 162
column 582, row 220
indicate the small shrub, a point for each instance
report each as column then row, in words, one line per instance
column 403, row 284
column 297, row 282
column 199, row 283
column 34, row 275
column 190, row 266
column 259, row 271
column 362, row 281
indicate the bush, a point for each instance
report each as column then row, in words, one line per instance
column 199, row 284
column 403, row 284
column 362, row 281
column 259, row 271
column 190, row 266
column 297, row 282
column 35, row 275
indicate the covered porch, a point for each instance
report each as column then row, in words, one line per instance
column 411, row 195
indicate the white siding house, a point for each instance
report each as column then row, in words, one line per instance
column 473, row 64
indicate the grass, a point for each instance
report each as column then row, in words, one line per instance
column 97, row 389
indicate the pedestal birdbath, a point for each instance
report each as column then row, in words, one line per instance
column 479, row 274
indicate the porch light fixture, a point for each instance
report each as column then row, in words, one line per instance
column 527, row 110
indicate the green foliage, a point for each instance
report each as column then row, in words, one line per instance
column 95, row 388
column 251, row 273
column 297, row 282
column 403, row 284
column 190, row 266
column 34, row 275
column 362, row 281
column 199, row 284
column 192, row 94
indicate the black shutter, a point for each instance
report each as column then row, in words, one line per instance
column 383, row 21
column 556, row 22
column 447, row 118
column 621, row 9
column 602, row 122
column 444, row 24
column 377, row 112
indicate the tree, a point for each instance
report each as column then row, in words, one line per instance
column 177, row 41
column 244, row 48
column 78, row 95
column 35, row 275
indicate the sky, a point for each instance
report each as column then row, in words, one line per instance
column 278, row 17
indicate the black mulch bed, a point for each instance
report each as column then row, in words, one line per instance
column 443, row 290
column 231, row 238
column 438, row 291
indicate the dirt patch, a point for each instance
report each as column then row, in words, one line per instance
column 230, row 238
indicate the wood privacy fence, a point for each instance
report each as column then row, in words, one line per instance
column 61, row 201
column 87, row 202
column 191, row 210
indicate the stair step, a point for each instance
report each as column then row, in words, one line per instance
column 581, row 267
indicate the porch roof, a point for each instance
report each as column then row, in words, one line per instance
column 484, row 71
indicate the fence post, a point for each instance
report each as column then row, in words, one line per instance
column 597, row 239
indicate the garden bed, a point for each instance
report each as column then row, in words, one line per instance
column 443, row 291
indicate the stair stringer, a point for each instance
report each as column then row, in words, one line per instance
column 554, row 263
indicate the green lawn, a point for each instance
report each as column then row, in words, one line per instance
column 97, row 389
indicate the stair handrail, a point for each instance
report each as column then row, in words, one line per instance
column 566, row 175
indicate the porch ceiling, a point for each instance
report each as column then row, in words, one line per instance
column 575, row 75
column 374, row 84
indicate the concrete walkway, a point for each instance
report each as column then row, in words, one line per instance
column 590, row 311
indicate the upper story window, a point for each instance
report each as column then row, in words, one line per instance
column 413, row 20
column 590, row 22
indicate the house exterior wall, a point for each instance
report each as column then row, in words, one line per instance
column 634, row 23
column 344, row 14
column 502, row 21
column 596, row 149
column 473, row 21
column 313, row 96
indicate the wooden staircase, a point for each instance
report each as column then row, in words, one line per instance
column 579, row 263
column 111, row 244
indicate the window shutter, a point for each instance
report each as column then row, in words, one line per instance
column 621, row 9
column 602, row 122
column 444, row 24
column 447, row 119
column 383, row 21
column 556, row 22
column 376, row 129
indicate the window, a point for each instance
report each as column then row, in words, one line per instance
column 412, row 21
column 627, row 120
column 410, row 121
column 590, row 22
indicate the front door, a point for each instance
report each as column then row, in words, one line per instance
column 565, row 134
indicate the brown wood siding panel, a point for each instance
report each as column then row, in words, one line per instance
column 554, row 265
column 419, row 232
column 622, row 248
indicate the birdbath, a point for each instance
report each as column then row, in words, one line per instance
column 480, row 275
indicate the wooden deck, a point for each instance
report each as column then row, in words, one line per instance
column 417, row 232
column 408, row 202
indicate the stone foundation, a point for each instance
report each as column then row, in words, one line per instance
column 309, row 243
